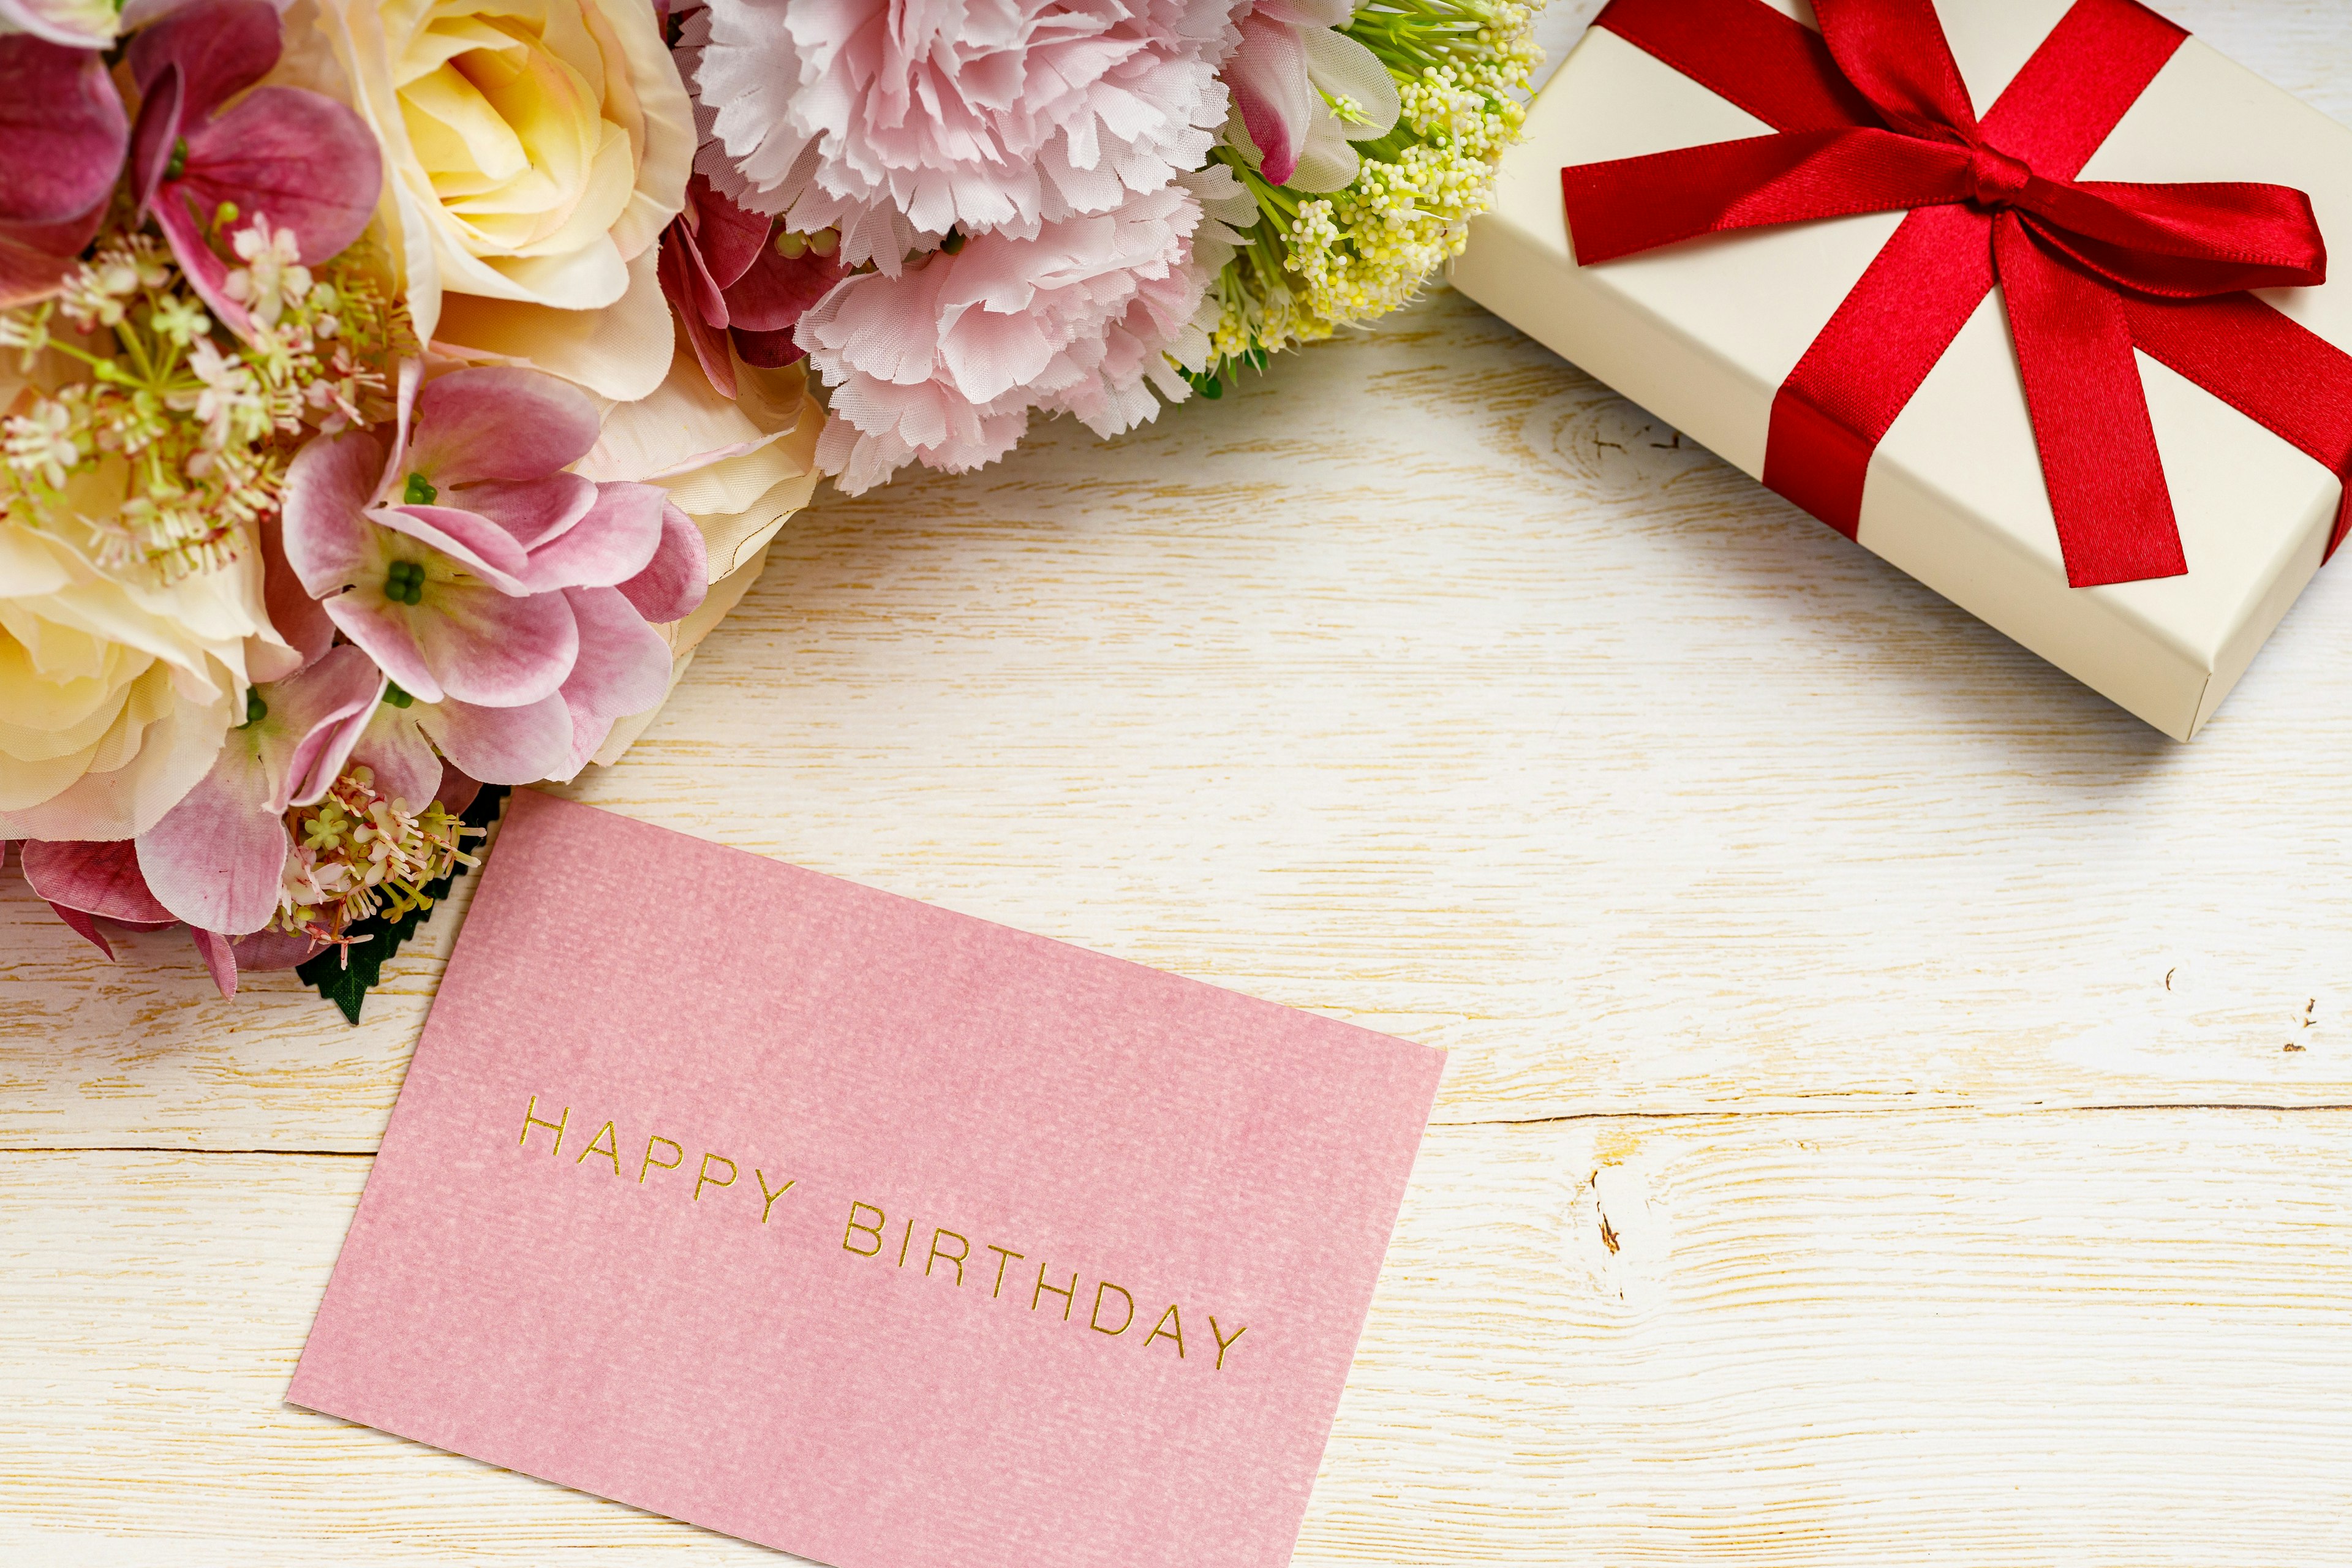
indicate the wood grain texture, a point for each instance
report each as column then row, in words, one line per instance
column 2115, row 1338
column 1803, row 948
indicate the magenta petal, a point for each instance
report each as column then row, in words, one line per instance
column 216, row 860
column 388, row 632
column 674, row 582
column 220, row 46
column 298, row 158
column 532, row 510
column 87, row 929
column 328, row 485
column 1268, row 77
column 396, row 752
column 768, row 351
column 220, row 957
column 300, row 619
column 459, row 789
column 498, row 421
column 96, row 879
column 729, row 239
column 64, row 127
column 684, row 283
column 206, row 273
column 273, row 949
column 489, row 648
column 613, row 543
column 772, row 295
column 153, row 138
column 502, row 745
column 483, row 547
column 35, row 258
column 315, row 719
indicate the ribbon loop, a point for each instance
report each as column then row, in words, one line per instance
column 2071, row 255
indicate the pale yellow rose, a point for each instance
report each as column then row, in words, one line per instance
column 114, row 696
column 740, row 469
column 533, row 151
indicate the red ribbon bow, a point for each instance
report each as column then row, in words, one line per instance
column 1873, row 116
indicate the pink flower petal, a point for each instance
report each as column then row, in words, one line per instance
column 774, row 291
column 206, row 273
column 1267, row 75
column 696, row 301
column 219, row 46
column 328, row 485
column 388, row 632
column 217, row 860
column 302, row 160
column 481, row 546
column 273, row 949
column 93, row 878
column 314, row 720
column 219, row 957
column 300, row 619
column 624, row 668
column 614, row 541
column 458, row 790
column 727, row 238
column 768, row 351
column 502, row 745
column 485, row 647
column 498, row 421
column 395, row 750
column 531, row 511
column 64, row 129
column 87, row 929
column 674, row 582
column 35, row 258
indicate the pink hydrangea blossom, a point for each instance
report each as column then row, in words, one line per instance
column 508, row 596
column 215, row 859
column 296, row 158
column 896, row 123
column 943, row 363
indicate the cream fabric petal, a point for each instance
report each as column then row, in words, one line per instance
column 622, row 351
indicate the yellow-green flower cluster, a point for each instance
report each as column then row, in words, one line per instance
column 357, row 853
column 154, row 436
column 1313, row 264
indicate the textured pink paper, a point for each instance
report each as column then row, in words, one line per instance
column 640, row 1332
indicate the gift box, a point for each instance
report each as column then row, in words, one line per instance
column 2025, row 297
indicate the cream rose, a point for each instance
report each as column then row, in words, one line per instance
column 533, row 150
column 113, row 696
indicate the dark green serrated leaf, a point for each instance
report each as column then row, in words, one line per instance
column 346, row 984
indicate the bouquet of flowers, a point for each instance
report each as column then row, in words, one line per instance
column 393, row 394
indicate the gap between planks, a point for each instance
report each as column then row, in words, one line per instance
column 1938, row 1112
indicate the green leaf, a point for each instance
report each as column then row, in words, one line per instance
column 346, row 984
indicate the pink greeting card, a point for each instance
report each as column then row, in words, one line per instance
column 859, row 1228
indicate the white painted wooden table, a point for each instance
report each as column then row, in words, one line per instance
column 1901, row 1107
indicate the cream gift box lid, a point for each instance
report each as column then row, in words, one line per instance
column 1703, row 333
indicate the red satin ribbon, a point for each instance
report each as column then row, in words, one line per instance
column 1872, row 116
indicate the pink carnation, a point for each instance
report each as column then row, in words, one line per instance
column 896, row 123
column 943, row 363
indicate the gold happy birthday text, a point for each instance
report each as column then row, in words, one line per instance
column 869, row 1223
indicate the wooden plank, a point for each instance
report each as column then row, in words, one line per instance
column 2091, row 1338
